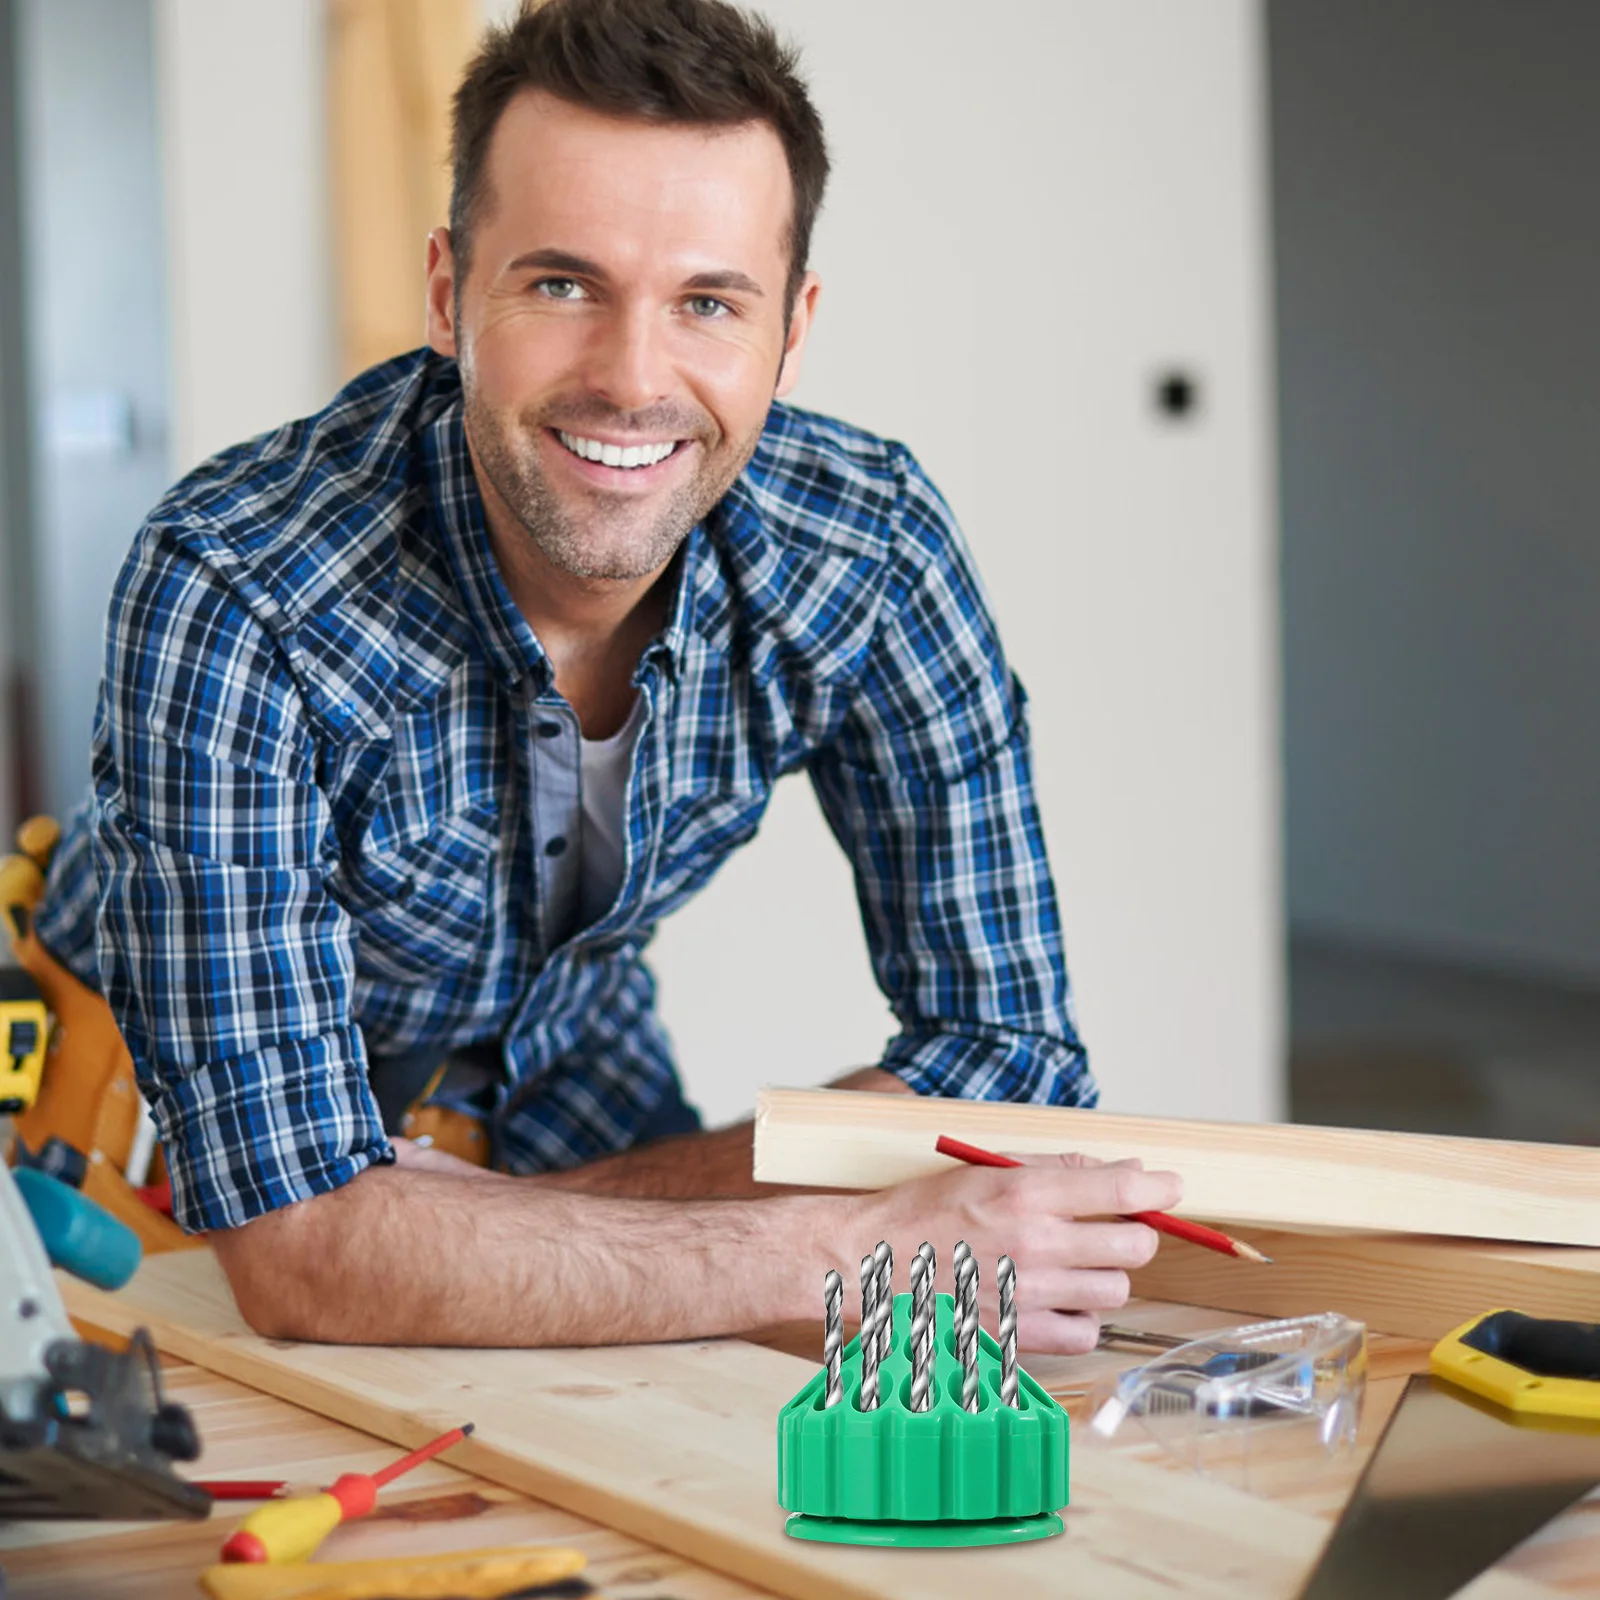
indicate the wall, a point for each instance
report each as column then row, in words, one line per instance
column 248, row 237
column 1437, row 167
column 1029, row 219
column 96, row 343
column 1029, row 222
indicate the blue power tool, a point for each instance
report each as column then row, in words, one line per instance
column 84, row 1430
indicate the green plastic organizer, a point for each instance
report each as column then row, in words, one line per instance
column 940, row 1477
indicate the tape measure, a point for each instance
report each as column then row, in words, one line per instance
column 1534, row 1365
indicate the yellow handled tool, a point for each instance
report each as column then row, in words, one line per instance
column 289, row 1530
column 461, row 1575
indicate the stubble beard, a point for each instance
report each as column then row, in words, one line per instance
column 594, row 535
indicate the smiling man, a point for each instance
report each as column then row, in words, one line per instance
column 420, row 714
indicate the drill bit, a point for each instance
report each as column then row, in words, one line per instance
column 869, row 1340
column 1006, row 1281
column 966, row 1268
column 929, row 1352
column 922, row 1328
column 832, row 1335
column 958, row 1260
column 921, row 1307
column 884, row 1257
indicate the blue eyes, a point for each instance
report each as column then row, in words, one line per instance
column 703, row 307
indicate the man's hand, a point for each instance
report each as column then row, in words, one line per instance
column 1055, row 1217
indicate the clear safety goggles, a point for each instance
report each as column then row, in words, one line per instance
column 1273, row 1400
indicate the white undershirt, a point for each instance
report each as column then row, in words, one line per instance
column 604, row 787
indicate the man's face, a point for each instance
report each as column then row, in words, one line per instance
column 620, row 330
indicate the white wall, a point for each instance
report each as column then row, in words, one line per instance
column 1034, row 210
column 248, row 236
column 1438, row 220
column 96, row 313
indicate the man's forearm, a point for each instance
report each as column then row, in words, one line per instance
column 695, row 1166
column 415, row 1257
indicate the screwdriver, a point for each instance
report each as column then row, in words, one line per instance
column 289, row 1530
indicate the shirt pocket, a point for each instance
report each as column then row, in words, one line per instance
column 420, row 903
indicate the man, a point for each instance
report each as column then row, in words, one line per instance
column 420, row 714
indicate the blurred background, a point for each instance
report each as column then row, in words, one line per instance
column 1252, row 341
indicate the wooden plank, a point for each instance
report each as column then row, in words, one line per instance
column 675, row 1444
column 1404, row 1283
column 1236, row 1173
column 393, row 66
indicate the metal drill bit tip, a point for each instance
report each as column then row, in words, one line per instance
column 921, row 1331
column 883, row 1257
column 966, row 1269
column 833, row 1336
column 869, row 1334
column 1006, row 1281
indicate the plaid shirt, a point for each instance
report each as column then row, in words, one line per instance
column 310, row 843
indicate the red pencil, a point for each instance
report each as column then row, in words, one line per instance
column 1177, row 1227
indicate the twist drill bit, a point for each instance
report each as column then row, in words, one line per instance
column 958, row 1259
column 833, row 1335
column 921, row 1323
column 927, row 1350
column 1006, row 1281
column 967, row 1324
column 869, row 1342
column 882, row 1305
column 884, row 1257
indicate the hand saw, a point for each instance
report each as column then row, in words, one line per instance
column 1501, row 1435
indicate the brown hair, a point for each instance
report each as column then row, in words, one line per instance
column 681, row 61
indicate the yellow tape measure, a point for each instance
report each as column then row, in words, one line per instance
column 1534, row 1365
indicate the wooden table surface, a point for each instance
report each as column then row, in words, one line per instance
column 439, row 1509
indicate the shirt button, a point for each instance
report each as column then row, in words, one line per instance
column 556, row 846
column 549, row 730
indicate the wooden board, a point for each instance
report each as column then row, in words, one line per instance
column 675, row 1444
column 393, row 66
column 1416, row 1286
column 1330, row 1178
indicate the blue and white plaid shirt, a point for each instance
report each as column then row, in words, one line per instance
column 311, row 842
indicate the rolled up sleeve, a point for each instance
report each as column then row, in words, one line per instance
column 226, row 962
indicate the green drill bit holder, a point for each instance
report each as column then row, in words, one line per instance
column 942, row 1477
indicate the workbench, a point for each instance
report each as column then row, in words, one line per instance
column 438, row 1509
